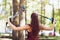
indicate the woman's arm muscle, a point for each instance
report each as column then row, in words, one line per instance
column 25, row 27
column 43, row 27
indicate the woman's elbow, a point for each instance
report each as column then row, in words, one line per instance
column 50, row 29
column 15, row 28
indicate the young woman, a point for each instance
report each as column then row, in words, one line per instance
column 33, row 28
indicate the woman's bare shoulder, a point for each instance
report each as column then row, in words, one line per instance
column 27, row 26
column 41, row 26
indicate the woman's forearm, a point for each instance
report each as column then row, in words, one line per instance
column 12, row 26
column 53, row 25
column 48, row 28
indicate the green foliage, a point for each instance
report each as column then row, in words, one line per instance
column 6, row 8
column 32, row 6
column 57, row 17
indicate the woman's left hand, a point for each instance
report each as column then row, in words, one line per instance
column 54, row 22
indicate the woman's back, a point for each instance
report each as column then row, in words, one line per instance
column 31, row 36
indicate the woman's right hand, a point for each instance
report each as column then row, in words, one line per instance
column 54, row 22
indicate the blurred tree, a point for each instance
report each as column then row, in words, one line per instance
column 18, row 8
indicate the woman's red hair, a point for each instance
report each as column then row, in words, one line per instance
column 35, row 24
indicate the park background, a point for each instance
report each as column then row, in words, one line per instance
column 48, row 8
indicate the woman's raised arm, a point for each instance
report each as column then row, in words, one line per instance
column 25, row 27
column 43, row 27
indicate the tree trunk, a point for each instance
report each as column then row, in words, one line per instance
column 21, row 10
column 17, row 35
column 15, row 22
